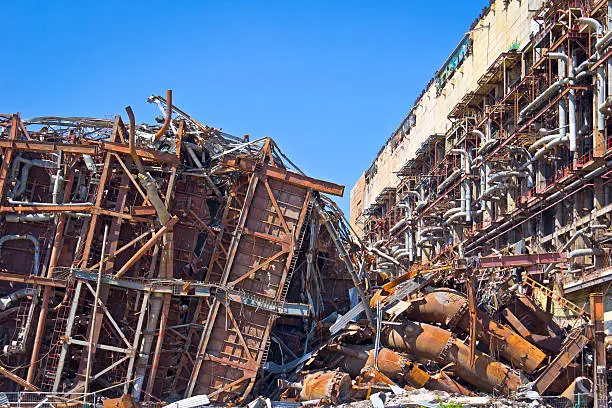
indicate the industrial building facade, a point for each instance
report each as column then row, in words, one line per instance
column 507, row 150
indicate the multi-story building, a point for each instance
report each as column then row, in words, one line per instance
column 506, row 151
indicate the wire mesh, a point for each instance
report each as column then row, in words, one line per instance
column 570, row 401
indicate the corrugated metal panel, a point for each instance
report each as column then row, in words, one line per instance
column 191, row 402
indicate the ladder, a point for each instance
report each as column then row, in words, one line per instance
column 558, row 299
column 59, row 331
column 296, row 249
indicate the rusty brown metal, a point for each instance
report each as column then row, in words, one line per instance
column 168, row 117
column 439, row 345
column 450, row 308
column 25, row 384
column 471, row 301
column 398, row 367
column 207, row 227
column 573, row 345
column 331, row 385
column 600, row 374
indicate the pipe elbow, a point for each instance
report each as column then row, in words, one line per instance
column 592, row 23
column 168, row 117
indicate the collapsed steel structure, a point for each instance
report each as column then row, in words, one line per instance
column 155, row 259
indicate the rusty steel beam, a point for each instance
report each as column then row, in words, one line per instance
column 574, row 344
column 6, row 276
column 49, row 147
column 248, row 165
column 600, row 373
column 146, row 247
column 28, row 209
column 145, row 154
column 514, row 261
column 15, row 378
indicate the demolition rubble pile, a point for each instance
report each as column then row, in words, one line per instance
column 175, row 261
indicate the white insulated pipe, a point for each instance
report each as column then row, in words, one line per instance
column 601, row 97
column 556, row 142
column 563, row 191
column 592, row 23
column 454, row 175
column 562, row 61
column 556, row 86
column 584, row 252
column 542, row 142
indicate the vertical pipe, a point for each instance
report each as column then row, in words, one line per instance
column 468, row 200
column 561, row 69
column 155, row 303
column 55, row 252
column 609, row 73
column 600, row 382
column 463, row 194
column 160, row 341
column 572, row 62
column 410, row 244
column 483, row 187
column 58, row 177
column 601, row 97
column 95, row 309
column 418, row 237
column 572, row 121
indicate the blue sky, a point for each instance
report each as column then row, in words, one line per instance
column 328, row 80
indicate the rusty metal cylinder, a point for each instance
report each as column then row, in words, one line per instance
column 397, row 366
column 449, row 308
column 442, row 382
column 332, row 385
column 437, row 344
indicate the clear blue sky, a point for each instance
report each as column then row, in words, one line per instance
column 329, row 80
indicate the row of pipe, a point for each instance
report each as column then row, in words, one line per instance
column 494, row 183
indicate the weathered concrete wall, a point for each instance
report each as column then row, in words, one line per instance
column 356, row 200
column 503, row 25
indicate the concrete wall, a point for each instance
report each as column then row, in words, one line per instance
column 356, row 200
column 503, row 25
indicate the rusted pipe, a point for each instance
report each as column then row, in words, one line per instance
column 397, row 366
column 332, row 385
column 449, row 308
column 437, row 344
column 132, row 140
column 168, row 118
column 147, row 181
column 55, row 253
column 158, row 346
